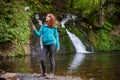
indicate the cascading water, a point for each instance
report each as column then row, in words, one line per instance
column 79, row 46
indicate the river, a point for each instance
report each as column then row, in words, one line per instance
column 96, row 66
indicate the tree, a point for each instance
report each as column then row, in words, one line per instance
column 71, row 3
column 101, row 14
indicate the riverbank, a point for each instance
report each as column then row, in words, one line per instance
column 20, row 76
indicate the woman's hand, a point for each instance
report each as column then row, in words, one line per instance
column 32, row 27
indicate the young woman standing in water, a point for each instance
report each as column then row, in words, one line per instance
column 50, row 40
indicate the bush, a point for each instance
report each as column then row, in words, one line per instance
column 14, row 23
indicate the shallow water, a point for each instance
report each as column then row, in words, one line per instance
column 95, row 66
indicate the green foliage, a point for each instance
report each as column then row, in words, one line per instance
column 22, row 30
column 115, row 43
column 14, row 23
column 89, row 9
column 102, row 40
column 108, row 26
column 14, row 27
column 35, row 5
column 86, row 6
column 39, row 6
column 3, row 35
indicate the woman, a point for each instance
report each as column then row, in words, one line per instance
column 50, row 41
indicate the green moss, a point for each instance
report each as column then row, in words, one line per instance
column 104, row 41
column 14, row 24
column 82, row 35
column 115, row 43
column 65, row 42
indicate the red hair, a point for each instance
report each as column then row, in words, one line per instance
column 52, row 22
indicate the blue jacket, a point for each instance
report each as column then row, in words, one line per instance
column 49, row 35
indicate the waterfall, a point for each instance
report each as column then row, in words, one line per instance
column 79, row 46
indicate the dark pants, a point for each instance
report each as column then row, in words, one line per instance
column 47, row 50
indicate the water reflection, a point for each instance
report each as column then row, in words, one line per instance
column 77, row 60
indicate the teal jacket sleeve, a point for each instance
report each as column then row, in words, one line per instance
column 57, row 39
column 38, row 33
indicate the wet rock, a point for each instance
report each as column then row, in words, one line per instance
column 14, row 76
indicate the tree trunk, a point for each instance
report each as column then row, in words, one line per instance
column 101, row 14
column 72, row 4
column 109, row 3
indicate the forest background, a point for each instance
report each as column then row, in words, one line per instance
column 98, row 21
